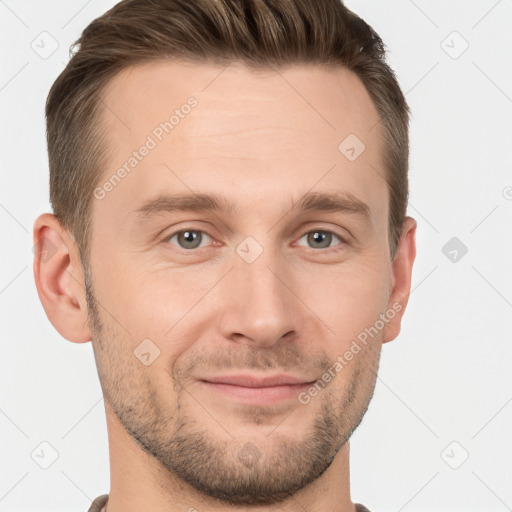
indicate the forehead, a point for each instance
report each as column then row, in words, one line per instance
column 213, row 127
column 331, row 100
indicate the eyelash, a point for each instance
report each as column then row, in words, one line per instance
column 324, row 250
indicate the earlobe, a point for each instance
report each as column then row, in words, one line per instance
column 59, row 279
column 401, row 268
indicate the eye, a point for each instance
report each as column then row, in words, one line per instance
column 320, row 238
column 188, row 238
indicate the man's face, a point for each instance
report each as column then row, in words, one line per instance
column 267, row 288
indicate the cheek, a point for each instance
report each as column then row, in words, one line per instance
column 144, row 302
column 166, row 306
column 162, row 303
column 349, row 298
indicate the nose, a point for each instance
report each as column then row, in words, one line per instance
column 259, row 307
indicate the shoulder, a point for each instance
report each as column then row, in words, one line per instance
column 98, row 504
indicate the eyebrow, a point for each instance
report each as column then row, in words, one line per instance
column 311, row 201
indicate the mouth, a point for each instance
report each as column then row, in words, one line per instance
column 255, row 390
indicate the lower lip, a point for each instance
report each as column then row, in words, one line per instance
column 263, row 396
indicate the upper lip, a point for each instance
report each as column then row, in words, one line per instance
column 251, row 381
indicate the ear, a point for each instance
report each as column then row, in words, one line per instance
column 59, row 279
column 401, row 271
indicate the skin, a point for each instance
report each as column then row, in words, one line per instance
column 175, row 444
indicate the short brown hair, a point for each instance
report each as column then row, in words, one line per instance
column 259, row 33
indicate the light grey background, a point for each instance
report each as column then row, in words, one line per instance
column 445, row 385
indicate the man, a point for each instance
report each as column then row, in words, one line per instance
column 229, row 186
